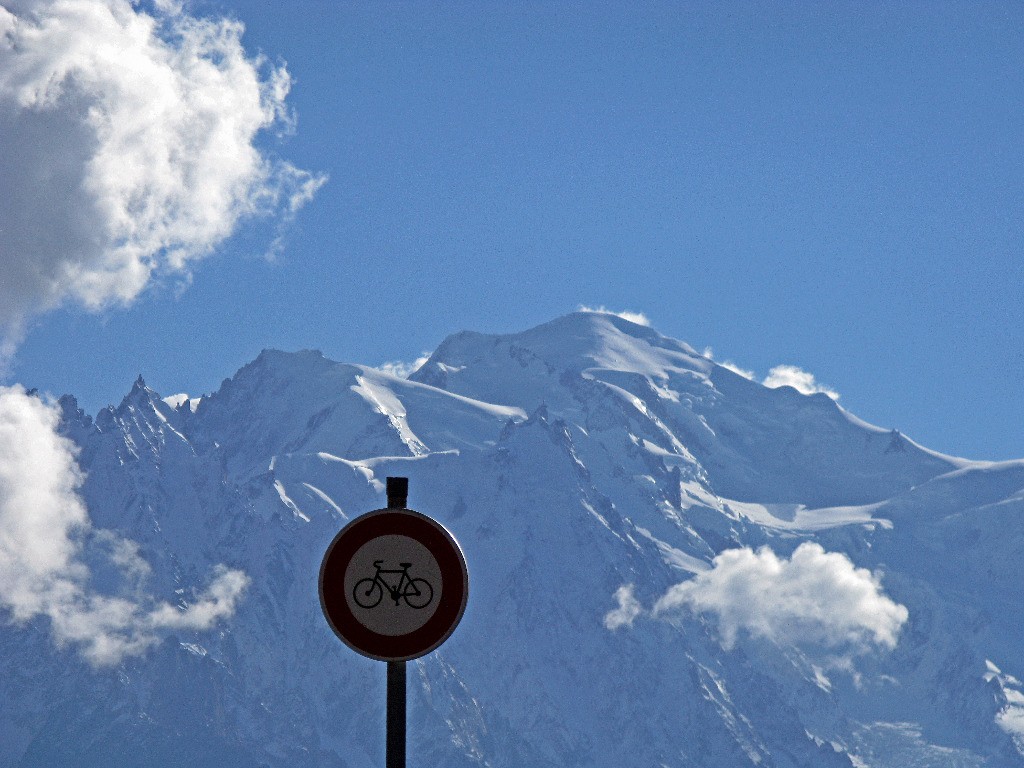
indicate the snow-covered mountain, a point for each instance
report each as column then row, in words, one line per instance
column 671, row 565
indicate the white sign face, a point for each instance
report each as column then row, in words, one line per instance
column 393, row 585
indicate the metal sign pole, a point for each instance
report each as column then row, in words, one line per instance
column 398, row 494
column 395, row 755
column 393, row 587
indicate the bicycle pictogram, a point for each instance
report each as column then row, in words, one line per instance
column 368, row 592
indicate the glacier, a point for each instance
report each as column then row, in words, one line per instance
column 843, row 595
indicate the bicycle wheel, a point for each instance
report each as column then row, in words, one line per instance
column 367, row 593
column 418, row 593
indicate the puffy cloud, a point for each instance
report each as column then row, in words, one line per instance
column 626, row 612
column 176, row 401
column 44, row 529
column 128, row 149
column 129, row 152
column 797, row 378
column 634, row 317
column 1011, row 715
column 709, row 353
column 729, row 365
column 403, row 369
column 779, row 376
column 816, row 598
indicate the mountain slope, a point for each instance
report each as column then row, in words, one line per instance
column 588, row 467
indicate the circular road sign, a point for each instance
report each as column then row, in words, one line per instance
column 393, row 584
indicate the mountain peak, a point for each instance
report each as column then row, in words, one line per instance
column 140, row 395
column 573, row 343
column 601, row 318
column 271, row 356
column 599, row 326
column 586, row 462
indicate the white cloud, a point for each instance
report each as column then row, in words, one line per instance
column 403, row 369
column 1011, row 715
column 709, row 353
column 627, row 611
column 816, row 598
column 634, row 317
column 797, row 378
column 128, row 149
column 779, row 376
column 44, row 527
column 728, row 364
column 176, row 400
column 1011, row 719
column 128, row 153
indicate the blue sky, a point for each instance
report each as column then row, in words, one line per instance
column 836, row 186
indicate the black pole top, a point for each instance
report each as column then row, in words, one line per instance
column 398, row 492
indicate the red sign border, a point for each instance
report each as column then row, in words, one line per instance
column 454, row 593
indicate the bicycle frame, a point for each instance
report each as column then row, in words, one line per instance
column 397, row 591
